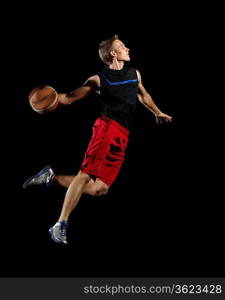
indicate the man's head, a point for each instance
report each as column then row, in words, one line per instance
column 113, row 48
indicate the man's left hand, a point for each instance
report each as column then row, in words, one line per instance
column 161, row 117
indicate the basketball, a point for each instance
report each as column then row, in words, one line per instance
column 43, row 99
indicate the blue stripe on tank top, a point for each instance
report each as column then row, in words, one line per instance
column 116, row 83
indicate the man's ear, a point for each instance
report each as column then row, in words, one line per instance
column 113, row 53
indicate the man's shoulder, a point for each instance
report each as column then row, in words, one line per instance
column 132, row 69
column 93, row 81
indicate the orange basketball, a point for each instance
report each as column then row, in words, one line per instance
column 43, row 99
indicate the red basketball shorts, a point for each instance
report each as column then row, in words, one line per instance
column 105, row 153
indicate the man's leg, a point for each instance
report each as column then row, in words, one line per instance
column 73, row 195
column 93, row 188
column 64, row 180
column 82, row 183
column 47, row 177
column 79, row 185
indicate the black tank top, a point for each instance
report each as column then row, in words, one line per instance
column 118, row 94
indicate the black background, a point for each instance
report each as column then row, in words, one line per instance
column 163, row 215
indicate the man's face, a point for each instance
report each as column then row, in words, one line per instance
column 121, row 52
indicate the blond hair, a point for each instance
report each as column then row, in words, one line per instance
column 105, row 48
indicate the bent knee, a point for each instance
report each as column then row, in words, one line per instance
column 85, row 178
column 100, row 191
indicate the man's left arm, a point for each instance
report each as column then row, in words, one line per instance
column 145, row 98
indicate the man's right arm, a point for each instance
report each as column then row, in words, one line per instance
column 91, row 85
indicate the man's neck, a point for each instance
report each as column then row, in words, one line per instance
column 116, row 65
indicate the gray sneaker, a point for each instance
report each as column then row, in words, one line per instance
column 58, row 232
column 44, row 177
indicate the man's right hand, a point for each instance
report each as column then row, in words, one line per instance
column 63, row 99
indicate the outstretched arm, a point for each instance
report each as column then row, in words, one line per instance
column 145, row 98
column 91, row 85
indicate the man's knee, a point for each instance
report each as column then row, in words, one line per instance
column 100, row 190
column 83, row 177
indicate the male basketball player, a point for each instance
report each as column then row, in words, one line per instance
column 119, row 87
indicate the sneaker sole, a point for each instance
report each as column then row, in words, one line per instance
column 26, row 183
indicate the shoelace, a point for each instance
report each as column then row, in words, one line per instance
column 48, row 178
column 63, row 228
